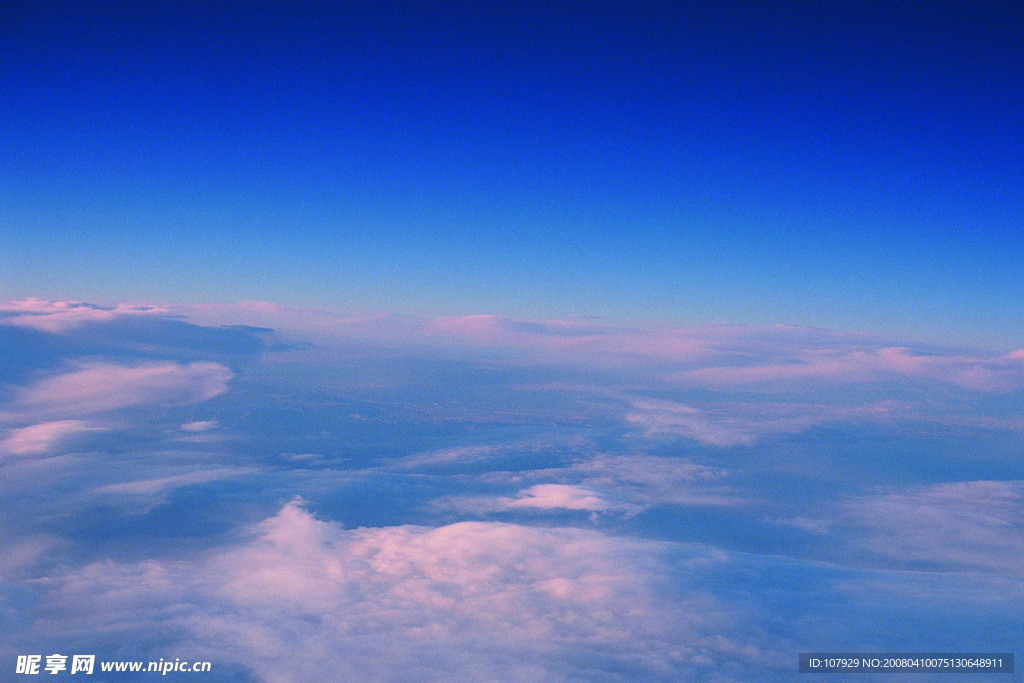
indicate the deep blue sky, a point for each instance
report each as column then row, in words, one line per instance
column 850, row 165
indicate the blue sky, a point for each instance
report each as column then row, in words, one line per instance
column 836, row 167
column 537, row 342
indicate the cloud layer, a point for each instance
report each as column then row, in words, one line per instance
column 497, row 499
column 956, row 526
column 307, row 600
column 60, row 316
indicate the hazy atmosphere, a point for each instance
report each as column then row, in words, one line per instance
column 508, row 342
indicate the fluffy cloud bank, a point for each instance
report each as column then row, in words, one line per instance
column 721, row 356
column 59, row 316
column 304, row 599
column 790, row 473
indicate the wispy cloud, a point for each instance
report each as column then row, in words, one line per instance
column 569, row 340
column 99, row 387
column 200, row 425
column 973, row 525
column 19, row 553
column 448, row 456
column 645, row 480
column 38, row 438
column 563, row 496
column 979, row 373
column 142, row 495
column 149, row 487
column 738, row 423
column 539, row 497
column 600, row 483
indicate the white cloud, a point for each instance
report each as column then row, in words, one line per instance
column 307, row 600
column 302, row 456
column 537, row 497
column 547, row 496
column 730, row 355
column 139, row 496
column 200, row 425
column 569, row 341
column 624, row 483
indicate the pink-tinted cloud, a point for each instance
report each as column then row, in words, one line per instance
column 537, row 497
column 560, row 496
column 200, row 425
column 99, row 387
column 980, row 373
column 570, row 341
column 39, row 438
column 714, row 355
column 728, row 355
column 304, row 599
column 59, row 316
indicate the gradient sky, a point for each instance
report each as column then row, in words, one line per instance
column 434, row 342
column 850, row 166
